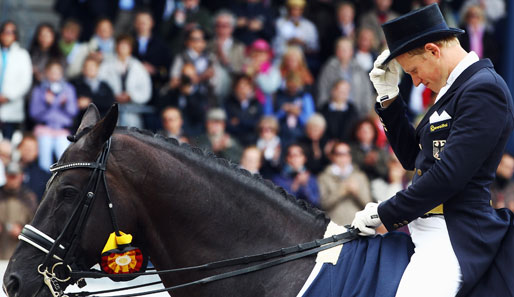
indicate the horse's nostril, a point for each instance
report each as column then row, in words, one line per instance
column 13, row 285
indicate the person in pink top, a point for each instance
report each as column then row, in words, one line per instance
column 260, row 68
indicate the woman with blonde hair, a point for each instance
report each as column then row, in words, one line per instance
column 293, row 60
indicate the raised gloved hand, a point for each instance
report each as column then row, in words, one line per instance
column 367, row 219
column 385, row 78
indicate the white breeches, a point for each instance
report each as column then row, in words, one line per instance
column 433, row 269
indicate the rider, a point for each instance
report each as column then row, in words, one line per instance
column 454, row 152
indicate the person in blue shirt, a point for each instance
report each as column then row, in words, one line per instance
column 293, row 107
column 295, row 178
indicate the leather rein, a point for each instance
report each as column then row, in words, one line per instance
column 59, row 263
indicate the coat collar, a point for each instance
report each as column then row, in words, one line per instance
column 465, row 75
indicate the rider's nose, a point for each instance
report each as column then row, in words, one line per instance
column 12, row 287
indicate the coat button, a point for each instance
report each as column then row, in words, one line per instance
column 395, row 226
column 405, row 222
column 419, row 172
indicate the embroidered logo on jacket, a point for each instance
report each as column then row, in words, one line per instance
column 438, row 146
column 435, row 128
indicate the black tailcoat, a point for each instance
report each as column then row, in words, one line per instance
column 455, row 160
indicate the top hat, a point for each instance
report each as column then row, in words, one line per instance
column 415, row 29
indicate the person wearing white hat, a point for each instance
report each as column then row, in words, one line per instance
column 294, row 29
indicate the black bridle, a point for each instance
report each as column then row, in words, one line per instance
column 60, row 253
column 63, row 248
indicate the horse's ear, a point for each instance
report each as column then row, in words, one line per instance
column 90, row 118
column 104, row 128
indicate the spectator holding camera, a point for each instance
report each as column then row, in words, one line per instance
column 295, row 178
column 195, row 53
column 190, row 97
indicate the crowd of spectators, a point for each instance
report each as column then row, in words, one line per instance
column 280, row 87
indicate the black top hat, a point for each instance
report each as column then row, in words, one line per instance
column 415, row 29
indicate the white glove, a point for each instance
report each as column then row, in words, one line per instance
column 385, row 78
column 367, row 219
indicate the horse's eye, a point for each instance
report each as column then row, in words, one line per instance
column 69, row 193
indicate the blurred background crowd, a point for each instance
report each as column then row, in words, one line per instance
column 280, row 87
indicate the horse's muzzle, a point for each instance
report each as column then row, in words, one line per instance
column 12, row 285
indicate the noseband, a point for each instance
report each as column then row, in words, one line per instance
column 64, row 247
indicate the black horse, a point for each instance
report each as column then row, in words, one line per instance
column 183, row 207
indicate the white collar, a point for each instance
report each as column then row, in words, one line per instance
column 338, row 107
column 468, row 60
column 341, row 172
column 193, row 54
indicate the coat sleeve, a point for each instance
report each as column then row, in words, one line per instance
column 23, row 77
column 324, row 82
column 400, row 132
column 106, row 73
column 38, row 107
column 307, row 108
column 481, row 116
column 71, row 107
column 139, row 84
column 269, row 81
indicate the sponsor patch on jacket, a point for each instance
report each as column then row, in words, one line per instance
column 439, row 126
column 438, row 146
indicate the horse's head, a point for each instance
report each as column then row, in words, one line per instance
column 73, row 221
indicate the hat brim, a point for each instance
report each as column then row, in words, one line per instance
column 421, row 40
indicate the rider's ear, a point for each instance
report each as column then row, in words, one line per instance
column 104, row 128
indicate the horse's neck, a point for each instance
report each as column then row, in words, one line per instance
column 201, row 213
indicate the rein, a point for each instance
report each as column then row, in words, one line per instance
column 294, row 255
column 63, row 248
